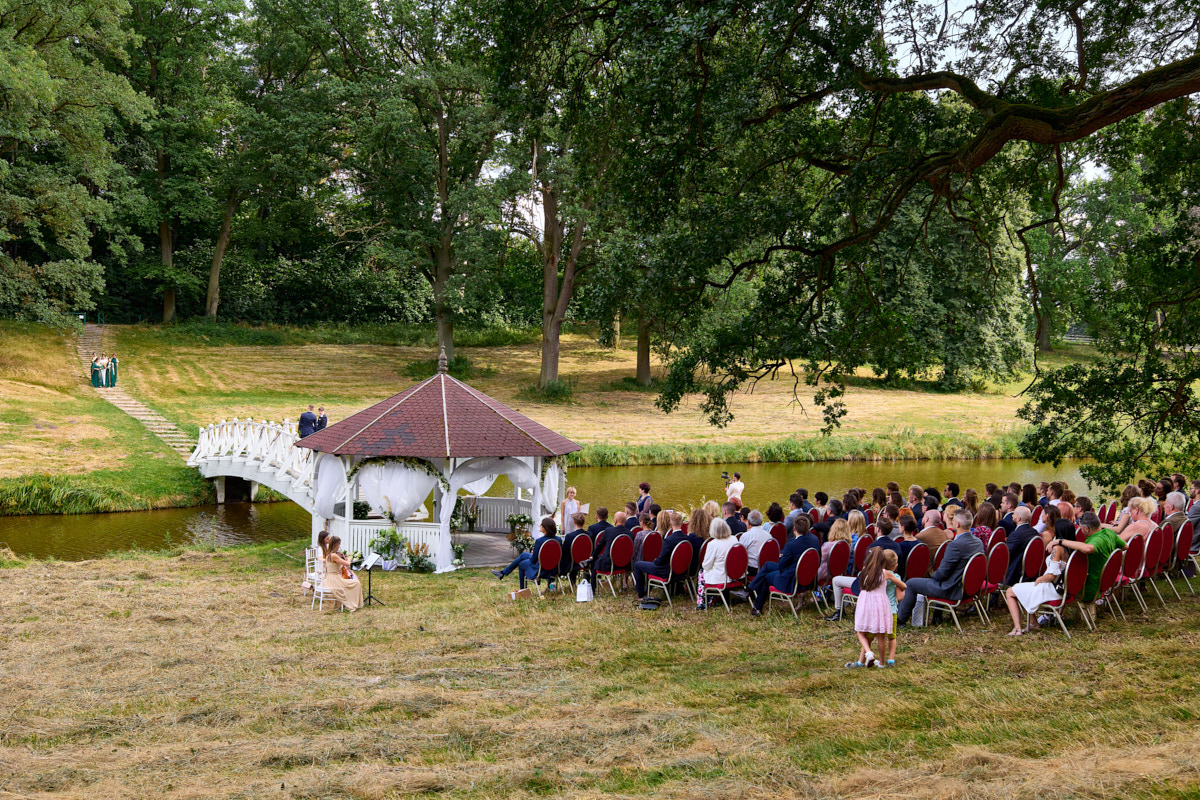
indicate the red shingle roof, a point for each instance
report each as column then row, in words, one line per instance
column 439, row 418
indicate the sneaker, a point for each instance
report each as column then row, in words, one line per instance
column 1044, row 619
column 550, row 587
column 870, row 660
column 754, row 612
column 834, row 617
column 498, row 574
column 853, row 664
column 891, row 662
column 879, row 664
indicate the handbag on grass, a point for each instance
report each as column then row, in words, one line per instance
column 583, row 592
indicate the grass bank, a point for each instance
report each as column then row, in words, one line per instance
column 897, row 446
column 144, row 677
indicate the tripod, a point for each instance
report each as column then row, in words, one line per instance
column 367, row 565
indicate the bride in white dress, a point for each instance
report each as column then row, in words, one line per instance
column 1032, row 594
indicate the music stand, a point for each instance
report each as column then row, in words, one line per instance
column 367, row 565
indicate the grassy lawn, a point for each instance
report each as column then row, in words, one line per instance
column 205, row 674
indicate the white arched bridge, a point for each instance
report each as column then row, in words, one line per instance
column 262, row 453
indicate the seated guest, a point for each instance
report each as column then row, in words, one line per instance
column 1053, row 526
column 1173, row 512
column 990, row 490
column 646, row 527
column 951, row 496
column 1179, row 482
column 1021, row 536
column 805, row 506
column 602, row 545
column 744, row 513
column 1029, row 496
column 754, row 538
column 661, row 566
column 782, row 575
column 733, row 519
column 916, row 501
column 1042, row 488
column 985, row 522
column 600, row 524
column 932, row 518
column 886, row 530
column 905, row 536
column 1099, row 546
column 712, row 570
column 822, row 506
column 971, row 501
column 1127, row 494
column 935, row 494
column 892, row 512
column 858, row 525
column 1008, row 504
column 840, row 532
column 834, row 512
column 526, row 564
column 906, row 513
column 698, row 527
column 933, row 537
column 849, row 503
column 631, row 515
column 655, row 511
column 1140, row 511
column 566, row 564
column 896, row 500
column 1031, row 594
column 796, row 508
column 1193, row 515
column 347, row 591
column 946, row 582
column 1082, row 506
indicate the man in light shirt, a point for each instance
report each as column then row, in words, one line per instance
column 754, row 539
column 735, row 488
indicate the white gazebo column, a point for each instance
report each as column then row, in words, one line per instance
column 348, row 505
column 443, row 508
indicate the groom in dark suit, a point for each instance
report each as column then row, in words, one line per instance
column 308, row 423
column 322, row 420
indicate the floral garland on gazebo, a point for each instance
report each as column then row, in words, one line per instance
column 411, row 462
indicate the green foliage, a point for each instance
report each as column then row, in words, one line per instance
column 418, row 559
column 389, row 543
column 62, row 494
column 220, row 333
column 561, row 391
column 460, row 367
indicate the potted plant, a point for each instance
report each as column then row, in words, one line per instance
column 518, row 522
column 418, row 558
column 460, row 549
column 390, row 544
column 472, row 514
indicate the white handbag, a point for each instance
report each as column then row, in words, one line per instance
column 583, row 593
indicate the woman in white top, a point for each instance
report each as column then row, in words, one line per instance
column 712, row 569
column 735, row 487
column 569, row 508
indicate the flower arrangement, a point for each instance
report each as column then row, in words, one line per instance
column 519, row 521
column 355, row 558
column 460, row 549
column 522, row 541
column 418, row 558
column 472, row 514
column 389, row 543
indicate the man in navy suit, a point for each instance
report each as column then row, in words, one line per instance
column 946, row 582
column 526, row 564
column 308, row 423
column 661, row 566
column 602, row 543
column 567, row 565
column 1009, row 503
column 734, row 520
column 1021, row 536
column 782, row 575
column 322, row 420
column 601, row 523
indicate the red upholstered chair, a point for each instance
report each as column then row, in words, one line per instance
column 839, row 560
column 1037, row 515
column 1155, row 544
column 1110, row 579
column 652, row 546
column 735, row 570
column 917, row 564
column 806, row 579
column 815, row 515
column 621, row 553
column 939, row 555
column 1073, row 582
column 1132, row 567
column 872, row 529
column 974, row 574
column 779, row 534
column 997, row 571
column 1112, row 512
column 635, row 531
column 681, row 562
column 684, row 528
column 997, row 537
column 769, row 554
column 693, row 575
column 581, row 550
column 868, row 515
column 1183, row 553
column 548, row 560
column 1157, row 517
column 860, row 554
column 1033, row 562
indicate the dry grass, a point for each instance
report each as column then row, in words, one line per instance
column 204, row 384
column 205, row 675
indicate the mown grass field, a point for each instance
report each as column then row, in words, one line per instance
column 205, row 675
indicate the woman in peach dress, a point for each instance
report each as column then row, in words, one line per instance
column 348, row 592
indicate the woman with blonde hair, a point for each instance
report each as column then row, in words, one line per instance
column 712, row 569
column 713, row 508
column 662, row 523
column 569, row 508
column 1140, row 511
column 840, row 531
column 347, row 591
column 858, row 525
column 699, row 522
column 1127, row 495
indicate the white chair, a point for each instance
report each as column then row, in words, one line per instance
column 320, row 590
column 310, row 568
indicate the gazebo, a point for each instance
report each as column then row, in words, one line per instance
column 440, row 437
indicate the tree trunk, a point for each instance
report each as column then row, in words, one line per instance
column 616, row 331
column 643, row 351
column 445, row 330
column 168, row 260
column 214, row 275
column 1043, row 333
column 442, row 310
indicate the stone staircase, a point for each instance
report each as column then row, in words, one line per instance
column 92, row 341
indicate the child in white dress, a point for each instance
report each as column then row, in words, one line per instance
column 1032, row 594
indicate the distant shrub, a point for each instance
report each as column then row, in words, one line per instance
column 553, row 392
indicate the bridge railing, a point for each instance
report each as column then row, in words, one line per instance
column 268, row 444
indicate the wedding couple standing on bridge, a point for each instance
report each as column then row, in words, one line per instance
column 310, row 423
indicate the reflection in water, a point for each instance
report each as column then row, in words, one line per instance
column 91, row 535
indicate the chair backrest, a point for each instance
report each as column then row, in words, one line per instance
column 769, row 554
column 872, row 529
column 704, row 549
column 581, row 548
column 1154, row 543
column 779, row 534
column 816, row 516
column 839, row 559
column 621, row 551
column 868, row 515
column 939, row 555
column 1135, row 554
column 1037, row 515
column 681, row 558
column 652, row 546
column 684, row 528
column 635, row 531
column 974, row 574
column 1183, row 545
column 1076, row 575
column 1112, row 511
column 860, row 553
column 997, row 563
column 808, row 565
column 1034, row 560
column 917, row 565
column 996, row 538
column 1167, row 548
column 1111, row 572
column 549, row 555
column 736, row 562
column 1156, row 517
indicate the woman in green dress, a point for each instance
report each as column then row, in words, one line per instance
column 95, row 371
column 112, row 370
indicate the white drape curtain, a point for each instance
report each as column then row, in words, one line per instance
column 395, row 489
column 331, row 477
column 550, row 489
column 477, row 476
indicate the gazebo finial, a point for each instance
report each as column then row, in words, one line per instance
column 442, row 366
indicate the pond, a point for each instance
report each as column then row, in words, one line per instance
column 91, row 535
